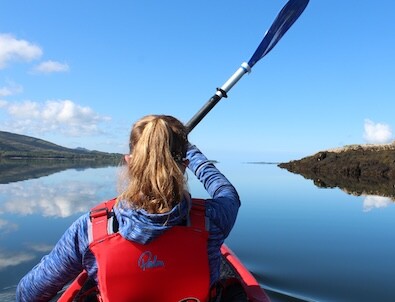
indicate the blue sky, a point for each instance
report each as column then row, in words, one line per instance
column 80, row 73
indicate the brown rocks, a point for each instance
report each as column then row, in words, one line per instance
column 358, row 169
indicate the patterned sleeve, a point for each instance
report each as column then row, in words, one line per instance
column 224, row 204
column 59, row 267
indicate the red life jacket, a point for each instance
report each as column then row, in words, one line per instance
column 172, row 268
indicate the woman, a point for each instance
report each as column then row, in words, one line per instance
column 151, row 214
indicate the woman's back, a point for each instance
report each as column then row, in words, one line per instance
column 152, row 202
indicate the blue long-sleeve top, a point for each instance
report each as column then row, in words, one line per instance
column 71, row 254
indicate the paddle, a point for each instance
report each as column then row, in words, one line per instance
column 284, row 20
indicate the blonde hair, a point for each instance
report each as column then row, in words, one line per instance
column 156, row 183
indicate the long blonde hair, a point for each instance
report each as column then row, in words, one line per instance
column 156, row 182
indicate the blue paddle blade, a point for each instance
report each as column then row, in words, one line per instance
column 284, row 20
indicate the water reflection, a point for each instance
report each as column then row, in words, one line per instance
column 35, row 212
column 18, row 170
column 57, row 200
column 7, row 226
column 8, row 259
column 15, row 258
column 25, row 189
column 371, row 202
column 301, row 240
column 378, row 192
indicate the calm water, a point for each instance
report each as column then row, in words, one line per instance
column 301, row 242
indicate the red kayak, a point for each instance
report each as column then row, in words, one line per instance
column 242, row 275
column 238, row 282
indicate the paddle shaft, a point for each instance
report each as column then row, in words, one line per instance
column 221, row 92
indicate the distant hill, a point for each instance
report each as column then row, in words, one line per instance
column 16, row 146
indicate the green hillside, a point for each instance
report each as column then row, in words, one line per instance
column 16, row 146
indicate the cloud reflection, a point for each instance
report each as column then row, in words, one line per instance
column 41, row 247
column 14, row 259
column 7, row 226
column 371, row 202
column 34, row 250
column 55, row 200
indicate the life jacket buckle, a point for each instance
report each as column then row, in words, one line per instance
column 98, row 212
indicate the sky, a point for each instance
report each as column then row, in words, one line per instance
column 80, row 73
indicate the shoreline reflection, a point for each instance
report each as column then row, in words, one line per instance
column 19, row 170
column 358, row 186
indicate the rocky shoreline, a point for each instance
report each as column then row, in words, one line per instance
column 357, row 169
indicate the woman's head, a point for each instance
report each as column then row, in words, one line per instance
column 158, row 146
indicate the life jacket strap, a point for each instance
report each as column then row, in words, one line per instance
column 99, row 218
column 197, row 215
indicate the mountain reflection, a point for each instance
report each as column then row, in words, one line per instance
column 18, row 170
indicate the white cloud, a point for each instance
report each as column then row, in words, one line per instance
column 25, row 110
column 12, row 49
column 371, row 201
column 61, row 116
column 3, row 104
column 50, row 67
column 377, row 133
column 10, row 89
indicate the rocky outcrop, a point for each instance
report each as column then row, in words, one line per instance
column 357, row 169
